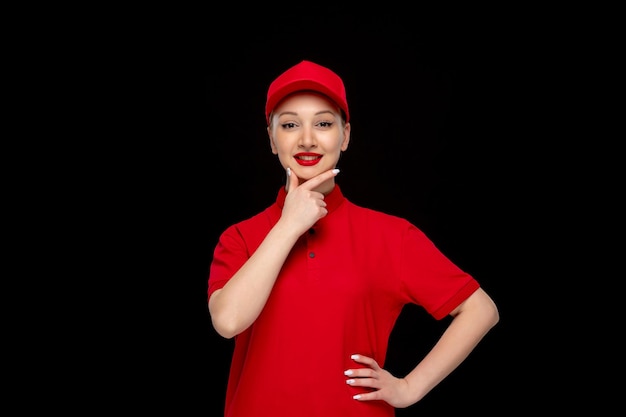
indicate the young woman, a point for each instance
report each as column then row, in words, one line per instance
column 311, row 287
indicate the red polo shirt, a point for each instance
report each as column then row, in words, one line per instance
column 339, row 292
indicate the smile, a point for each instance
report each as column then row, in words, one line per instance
column 307, row 159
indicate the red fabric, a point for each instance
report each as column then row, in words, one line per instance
column 339, row 293
column 307, row 76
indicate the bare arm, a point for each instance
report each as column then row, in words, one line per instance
column 472, row 320
column 236, row 306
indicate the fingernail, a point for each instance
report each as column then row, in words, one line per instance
column 289, row 172
column 335, row 171
column 350, row 381
column 354, row 357
column 347, row 373
column 356, row 397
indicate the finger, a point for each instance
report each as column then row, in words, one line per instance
column 363, row 382
column 292, row 180
column 365, row 360
column 370, row 396
column 324, row 176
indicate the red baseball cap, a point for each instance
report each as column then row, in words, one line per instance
column 307, row 76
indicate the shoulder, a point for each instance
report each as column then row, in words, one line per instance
column 260, row 221
column 368, row 218
column 377, row 215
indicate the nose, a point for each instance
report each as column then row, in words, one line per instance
column 307, row 138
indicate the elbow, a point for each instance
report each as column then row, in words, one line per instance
column 225, row 328
column 224, row 320
column 224, row 333
column 228, row 324
column 229, row 318
column 491, row 313
column 494, row 315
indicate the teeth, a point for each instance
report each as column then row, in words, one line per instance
column 308, row 158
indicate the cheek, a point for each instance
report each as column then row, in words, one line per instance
column 282, row 153
column 343, row 144
column 282, row 145
column 280, row 150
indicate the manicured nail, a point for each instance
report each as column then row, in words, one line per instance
column 335, row 171
column 350, row 381
column 356, row 397
column 348, row 372
column 354, row 357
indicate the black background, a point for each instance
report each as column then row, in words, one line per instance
column 448, row 131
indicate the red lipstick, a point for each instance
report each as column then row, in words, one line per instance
column 307, row 159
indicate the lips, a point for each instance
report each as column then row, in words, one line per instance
column 307, row 159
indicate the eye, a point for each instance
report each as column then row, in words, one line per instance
column 288, row 125
column 325, row 124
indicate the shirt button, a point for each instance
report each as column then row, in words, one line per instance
column 311, row 254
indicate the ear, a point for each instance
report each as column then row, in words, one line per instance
column 272, row 144
column 346, row 137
